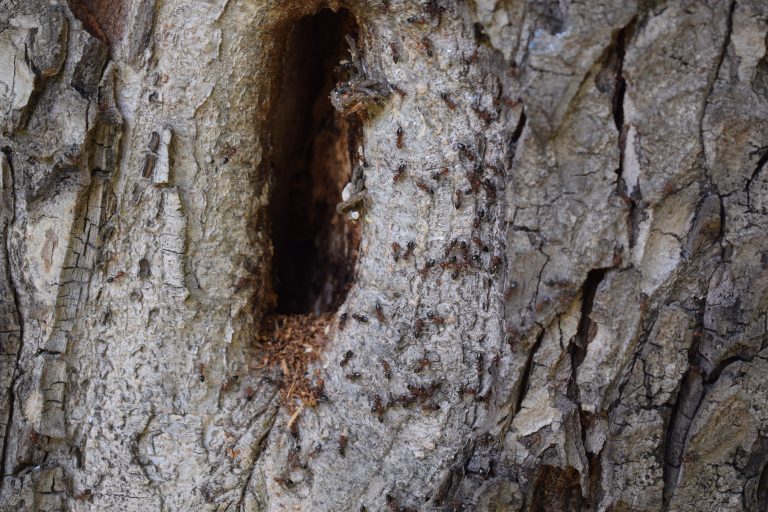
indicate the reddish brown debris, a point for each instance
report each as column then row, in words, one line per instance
column 289, row 343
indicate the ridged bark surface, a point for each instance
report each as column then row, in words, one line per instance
column 559, row 297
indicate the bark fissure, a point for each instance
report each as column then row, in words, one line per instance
column 689, row 398
column 763, row 159
column 527, row 371
column 11, row 393
column 584, row 332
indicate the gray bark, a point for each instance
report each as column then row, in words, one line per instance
column 560, row 292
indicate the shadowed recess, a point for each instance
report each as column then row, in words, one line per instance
column 313, row 152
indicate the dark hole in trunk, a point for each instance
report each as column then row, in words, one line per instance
column 313, row 152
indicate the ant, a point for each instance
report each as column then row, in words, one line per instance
column 439, row 174
column 400, row 135
column 396, row 251
column 427, row 266
column 426, row 188
column 422, row 363
column 399, row 173
column 387, row 369
column 285, row 481
column 409, row 249
column 427, row 45
column 418, row 328
column 448, row 101
column 379, row 312
column 496, row 262
column 378, row 408
column 395, row 52
column 347, row 356
column 457, row 199
column 435, row 319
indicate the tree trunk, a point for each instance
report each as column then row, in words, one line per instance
column 384, row 255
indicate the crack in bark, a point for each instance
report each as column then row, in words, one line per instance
column 522, row 390
column 584, row 332
column 758, row 168
column 19, row 318
column 688, row 401
column 695, row 382
column 631, row 197
column 689, row 398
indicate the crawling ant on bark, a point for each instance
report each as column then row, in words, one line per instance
column 448, row 100
column 435, row 318
column 418, row 328
column 387, row 369
column 426, row 43
column 318, row 390
column 395, row 52
column 285, row 481
column 119, row 275
column 409, row 249
column 400, row 135
column 406, row 400
column 473, row 177
column 494, row 364
column 427, row 266
column 392, row 504
column 342, row 321
column 457, row 199
column 84, row 495
column 378, row 408
column 201, row 372
column 345, row 359
column 399, row 173
column 228, row 384
column 353, row 376
column 379, row 312
column 398, row 90
column 294, row 459
column 439, row 174
column 433, row 8
column 396, row 251
column 343, row 440
column 465, row 152
column 422, row 363
column 483, row 114
column 423, row 392
column 360, row 318
column 496, row 262
column 424, row 187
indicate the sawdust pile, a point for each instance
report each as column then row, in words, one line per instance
column 288, row 344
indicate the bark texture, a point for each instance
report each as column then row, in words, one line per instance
column 560, row 292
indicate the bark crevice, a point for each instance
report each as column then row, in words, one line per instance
column 11, row 205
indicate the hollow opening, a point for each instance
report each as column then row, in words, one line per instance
column 313, row 151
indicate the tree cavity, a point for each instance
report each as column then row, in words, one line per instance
column 313, row 152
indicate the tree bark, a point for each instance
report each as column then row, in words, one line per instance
column 544, row 288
